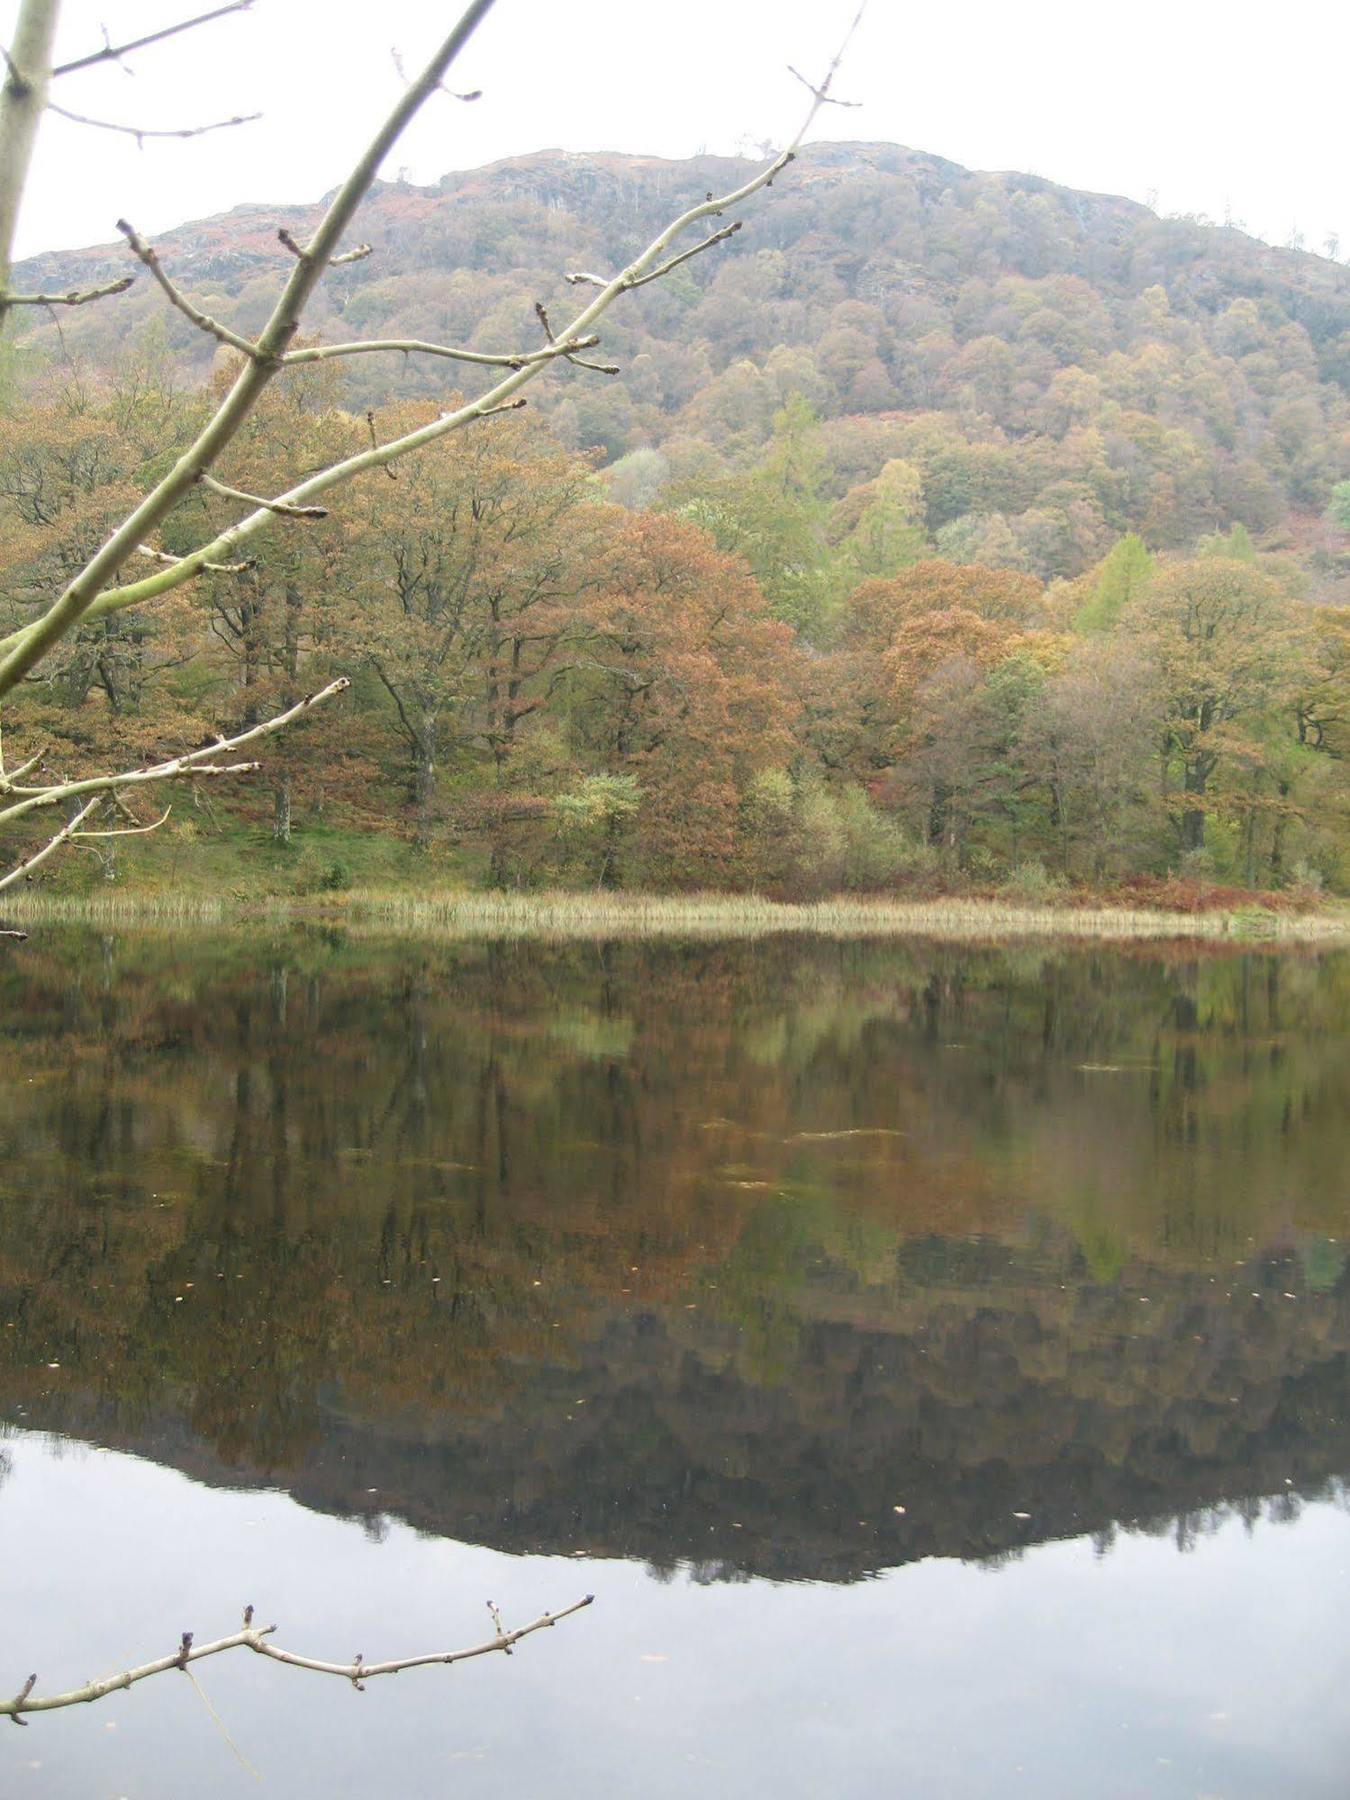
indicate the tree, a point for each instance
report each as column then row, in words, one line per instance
column 774, row 516
column 879, row 523
column 97, row 589
column 682, row 691
column 1092, row 742
column 1229, row 652
column 464, row 586
column 1122, row 574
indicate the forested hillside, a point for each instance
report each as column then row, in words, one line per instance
column 937, row 528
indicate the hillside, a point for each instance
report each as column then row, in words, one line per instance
column 963, row 531
column 1068, row 363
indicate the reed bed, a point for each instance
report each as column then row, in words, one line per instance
column 571, row 915
column 117, row 909
column 560, row 916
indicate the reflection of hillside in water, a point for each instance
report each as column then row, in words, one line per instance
column 719, row 1255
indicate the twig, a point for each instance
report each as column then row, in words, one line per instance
column 8, row 780
column 141, row 830
column 717, row 237
column 90, row 595
column 115, row 53
column 276, row 506
column 16, row 81
column 357, row 254
column 484, row 359
column 140, row 132
column 482, row 411
column 441, row 88
column 202, row 568
column 256, row 1638
column 76, row 296
column 18, row 873
column 823, row 98
column 192, row 763
column 561, row 350
column 203, row 321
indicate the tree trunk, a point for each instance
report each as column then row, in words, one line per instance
column 281, row 809
column 424, row 793
column 939, row 817
column 1277, row 839
column 1194, row 782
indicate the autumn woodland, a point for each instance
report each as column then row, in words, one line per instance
column 937, row 532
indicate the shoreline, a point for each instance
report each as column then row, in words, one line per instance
column 569, row 915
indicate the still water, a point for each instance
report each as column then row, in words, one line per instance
column 936, row 1362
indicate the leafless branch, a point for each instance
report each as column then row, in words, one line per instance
column 483, row 359
column 141, row 830
column 76, row 296
column 141, row 132
column 22, row 651
column 358, row 253
column 583, row 277
column 7, row 781
column 717, row 237
column 257, row 1638
column 90, row 595
column 93, row 789
column 16, row 81
column 561, row 350
column 276, row 506
column 822, row 97
column 23, row 869
column 201, row 568
column 222, row 333
column 115, row 52
column 486, row 412
column 476, row 94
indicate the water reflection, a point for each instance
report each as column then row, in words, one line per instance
column 792, row 1260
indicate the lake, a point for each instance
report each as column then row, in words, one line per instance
column 936, row 1361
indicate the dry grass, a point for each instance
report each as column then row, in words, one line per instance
column 116, row 909
column 461, row 914
column 472, row 915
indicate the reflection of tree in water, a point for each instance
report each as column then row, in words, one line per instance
column 654, row 1242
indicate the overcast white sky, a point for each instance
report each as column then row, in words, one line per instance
column 1234, row 110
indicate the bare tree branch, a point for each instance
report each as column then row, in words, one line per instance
column 23, row 647
column 94, row 788
column 27, row 649
column 140, row 132
column 276, row 506
column 115, row 52
column 210, row 568
column 141, row 830
column 203, row 321
column 22, row 99
column 25, row 868
column 580, row 361
column 822, row 97
column 717, row 237
column 483, row 359
column 358, row 253
column 257, row 1638
column 91, row 595
column 76, row 296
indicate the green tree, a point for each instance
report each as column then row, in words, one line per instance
column 1122, row 575
column 1229, row 652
